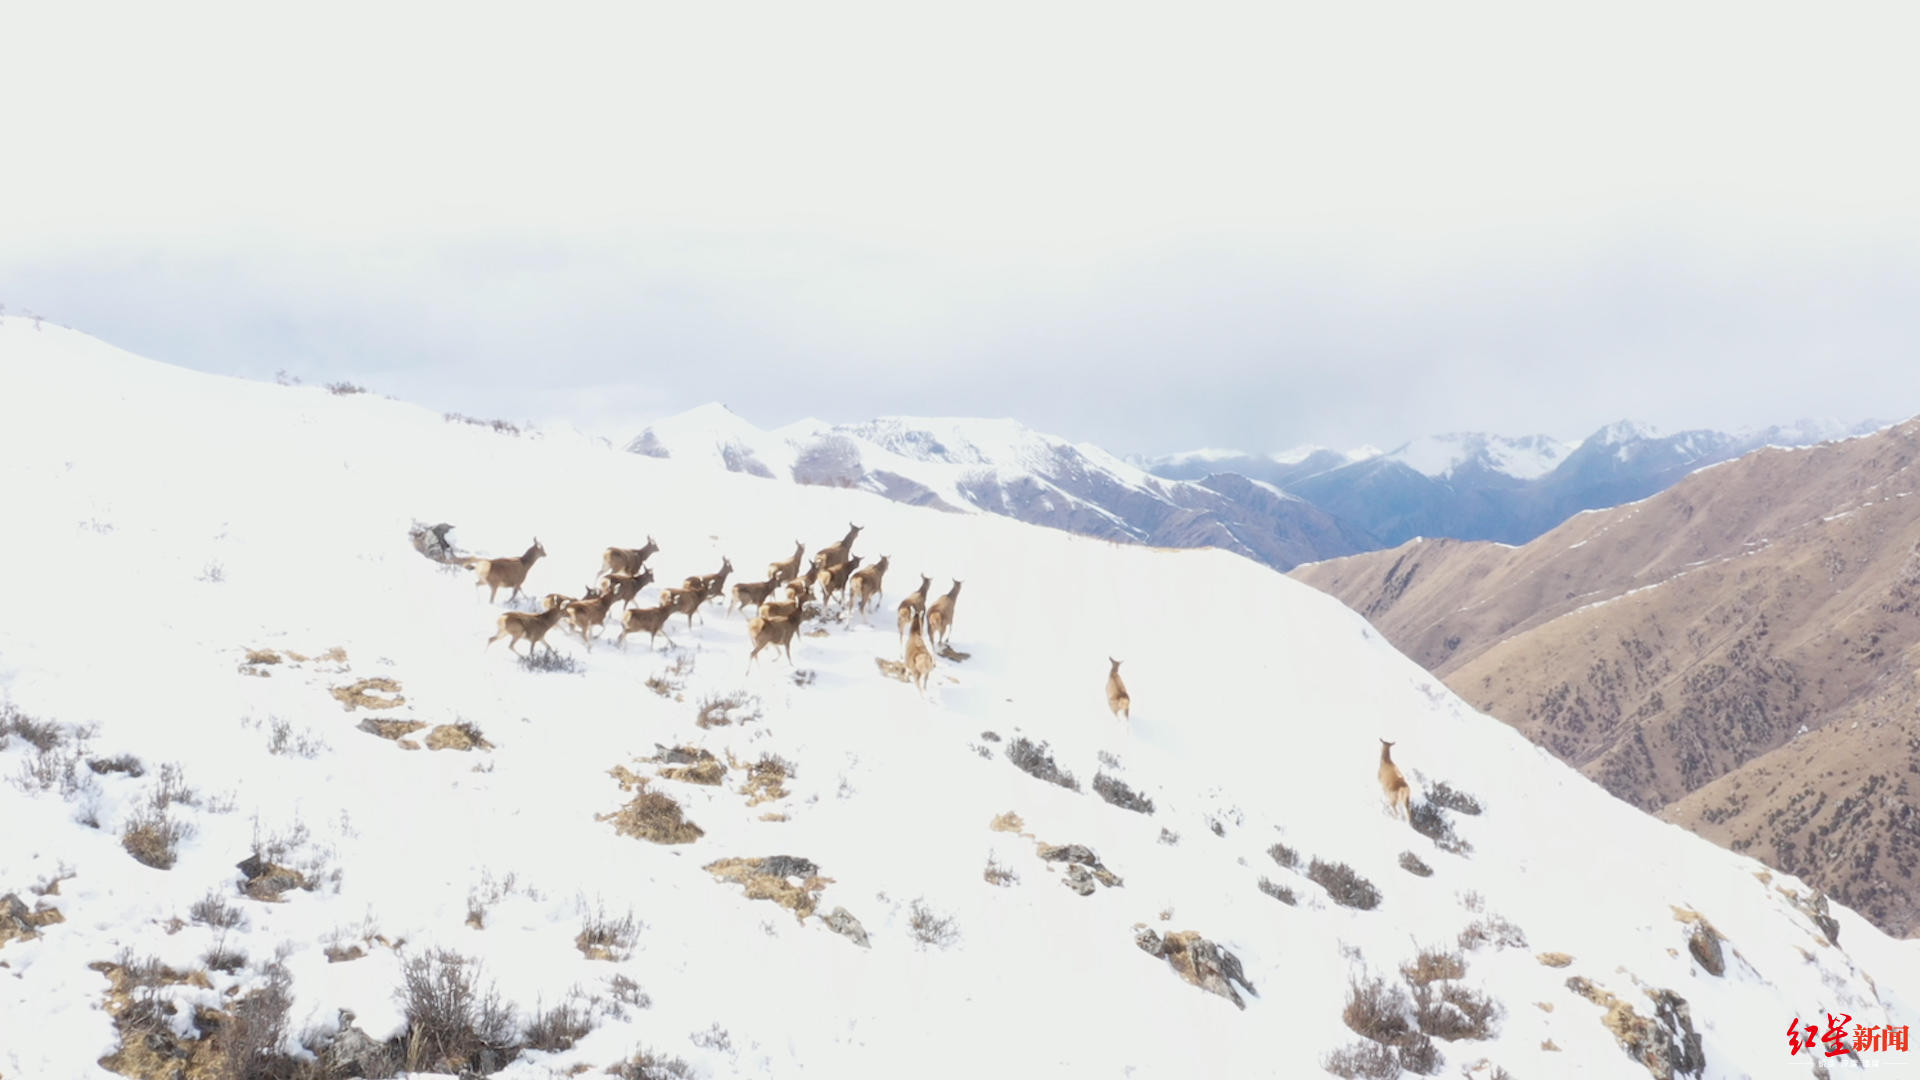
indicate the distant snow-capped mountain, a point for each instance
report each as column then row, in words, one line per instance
column 1475, row 486
column 1004, row 467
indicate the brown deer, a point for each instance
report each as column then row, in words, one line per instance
column 919, row 657
column 784, row 571
column 940, row 616
column 865, row 588
column 1399, row 795
column 914, row 604
column 833, row 579
column 589, row 614
column 626, row 560
column 1117, row 699
column 509, row 572
column 780, row 608
column 837, row 552
column 650, row 621
column 776, row 630
column 519, row 626
column 751, row 593
column 687, row 599
column 800, row 589
column 626, row 587
column 715, row 584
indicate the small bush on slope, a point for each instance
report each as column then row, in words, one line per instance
column 41, row 734
column 1378, row 1010
column 558, row 1028
column 929, row 927
column 153, row 837
column 1430, row 822
column 1037, row 763
column 1278, row 892
column 1362, row 1061
column 1444, row 794
column 1347, row 888
column 1119, row 794
column 451, row 1019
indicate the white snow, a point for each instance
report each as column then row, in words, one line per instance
column 1524, row 458
column 1258, row 706
column 1206, row 455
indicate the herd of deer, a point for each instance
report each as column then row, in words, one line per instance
column 834, row 571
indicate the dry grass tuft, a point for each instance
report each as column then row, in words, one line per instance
column 764, row 779
column 462, row 735
column 652, row 815
column 361, row 695
column 774, row 878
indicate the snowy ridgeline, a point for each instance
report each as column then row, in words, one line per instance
column 833, row 875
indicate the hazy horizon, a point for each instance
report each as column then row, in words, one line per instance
column 1229, row 226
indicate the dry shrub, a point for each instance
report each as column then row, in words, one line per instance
column 1418, row 1055
column 654, row 815
column 1346, row 887
column 451, row 1019
column 1378, row 1010
column 1119, row 794
column 645, row 1064
column 1035, row 761
column 1412, row 864
column 1430, row 822
column 996, row 874
column 603, row 937
column 1434, row 965
column 1444, row 794
column 124, row 764
column 1494, row 930
column 557, row 1029
column 1285, row 856
column 1277, row 891
column 722, row 710
column 153, row 837
column 548, row 660
column 1452, row 1012
column 40, row 734
column 1362, row 1061
column 929, row 927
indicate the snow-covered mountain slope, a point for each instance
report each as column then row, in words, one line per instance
column 207, row 571
column 1004, row 467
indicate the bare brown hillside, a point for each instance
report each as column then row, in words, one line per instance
column 1706, row 653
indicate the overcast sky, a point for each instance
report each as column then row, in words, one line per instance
column 1245, row 225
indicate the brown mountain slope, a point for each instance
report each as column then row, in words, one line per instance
column 1675, row 642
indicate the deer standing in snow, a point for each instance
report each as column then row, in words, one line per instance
column 1117, row 699
column 940, row 616
column 1399, row 795
column 919, row 657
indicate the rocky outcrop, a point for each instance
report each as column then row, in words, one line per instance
column 1198, row 961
